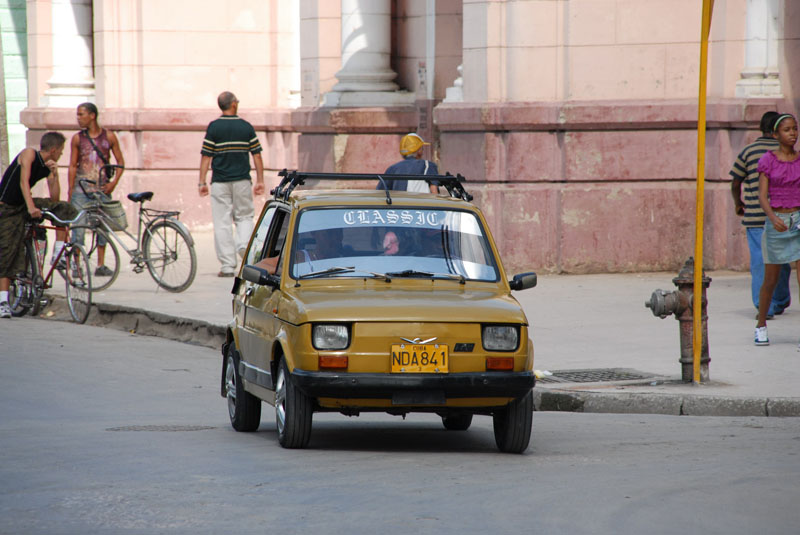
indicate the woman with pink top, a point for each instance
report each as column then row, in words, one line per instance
column 779, row 195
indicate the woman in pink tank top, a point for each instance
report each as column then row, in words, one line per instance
column 779, row 196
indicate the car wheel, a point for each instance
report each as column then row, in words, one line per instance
column 293, row 411
column 457, row 422
column 512, row 425
column 244, row 408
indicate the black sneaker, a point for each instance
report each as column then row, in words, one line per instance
column 103, row 271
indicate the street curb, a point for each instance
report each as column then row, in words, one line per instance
column 144, row 322
column 670, row 404
column 203, row 333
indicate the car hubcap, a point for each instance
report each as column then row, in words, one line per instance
column 230, row 387
column 280, row 402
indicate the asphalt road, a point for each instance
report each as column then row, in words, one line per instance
column 107, row 432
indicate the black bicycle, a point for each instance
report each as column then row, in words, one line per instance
column 163, row 245
column 26, row 293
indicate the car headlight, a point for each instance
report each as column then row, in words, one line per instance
column 500, row 337
column 330, row 336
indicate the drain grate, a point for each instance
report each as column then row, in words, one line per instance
column 161, row 428
column 595, row 375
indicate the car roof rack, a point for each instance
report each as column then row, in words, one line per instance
column 292, row 179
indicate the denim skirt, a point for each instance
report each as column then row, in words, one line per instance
column 782, row 247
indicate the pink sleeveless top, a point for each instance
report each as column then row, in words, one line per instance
column 89, row 163
column 784, row 180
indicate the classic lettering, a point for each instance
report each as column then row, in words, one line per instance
column 417, row 218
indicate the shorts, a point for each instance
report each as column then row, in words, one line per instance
column 80, row 200
column 12, row 232
column 782, row 247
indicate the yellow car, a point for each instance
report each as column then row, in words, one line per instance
column 376, row 300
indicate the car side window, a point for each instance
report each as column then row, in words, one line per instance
column 257, row 247
column 277, row 237
column 281, row 228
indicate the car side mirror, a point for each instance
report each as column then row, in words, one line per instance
column 523, row 281
column 260, row 276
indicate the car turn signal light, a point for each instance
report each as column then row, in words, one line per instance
column 500, row 363
column 336, row 362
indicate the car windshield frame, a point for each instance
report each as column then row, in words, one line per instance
column 437, row 243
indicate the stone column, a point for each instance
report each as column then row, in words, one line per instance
column 73, row 73
column 760, row 73
column 366, row 78
column 456, row 92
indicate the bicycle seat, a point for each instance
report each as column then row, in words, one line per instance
column 141, row 196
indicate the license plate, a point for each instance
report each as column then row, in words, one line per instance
column 410, row 358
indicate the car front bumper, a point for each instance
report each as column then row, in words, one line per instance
column 413, row 386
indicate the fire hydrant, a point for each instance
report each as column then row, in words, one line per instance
column 680, row 303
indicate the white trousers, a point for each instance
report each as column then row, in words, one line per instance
column 231, row 204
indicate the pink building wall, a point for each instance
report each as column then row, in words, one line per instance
column 576, row 135
column 576, row 188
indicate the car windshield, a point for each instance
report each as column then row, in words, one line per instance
column 400, row 242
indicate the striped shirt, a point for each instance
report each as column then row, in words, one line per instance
column 745, row 168
column 229, row 142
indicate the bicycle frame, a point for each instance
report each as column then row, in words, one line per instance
column 30, row 285
column 170, row 269
column 40, row 256
column 146, row 218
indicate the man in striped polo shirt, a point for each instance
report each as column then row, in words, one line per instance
column 226, row 148
column 745, row 171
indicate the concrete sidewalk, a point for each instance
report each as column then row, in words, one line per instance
column 583, row 327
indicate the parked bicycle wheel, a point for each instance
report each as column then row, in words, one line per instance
column 78, row 277
column 103, row 274
column 25, row 292
column 169, row 255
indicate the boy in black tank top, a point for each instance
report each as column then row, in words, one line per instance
column 17, row 203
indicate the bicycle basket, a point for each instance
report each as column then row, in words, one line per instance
column 115, row 213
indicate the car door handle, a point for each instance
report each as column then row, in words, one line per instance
column 250, row 291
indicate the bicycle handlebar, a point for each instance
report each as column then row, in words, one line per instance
column 55, row 219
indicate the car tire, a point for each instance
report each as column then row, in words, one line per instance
column 244, row 408
column 512, row 425
column 457, row 422
column 293, row 411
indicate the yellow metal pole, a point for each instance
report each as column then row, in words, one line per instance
column 697, row 341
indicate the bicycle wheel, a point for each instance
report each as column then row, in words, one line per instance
column 169, row 255
column 19, row 297
column 78, row 278
column 24, row 293
column 103, row 275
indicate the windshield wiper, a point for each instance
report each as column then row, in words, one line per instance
column 382, row 276
column 349, row 269
column 329, row 271
column 414, row 273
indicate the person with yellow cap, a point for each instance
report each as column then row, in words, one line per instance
column 412, row 164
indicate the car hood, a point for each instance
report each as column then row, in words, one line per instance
column 440, row 301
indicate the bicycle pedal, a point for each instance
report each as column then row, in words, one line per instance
column 138, row 269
